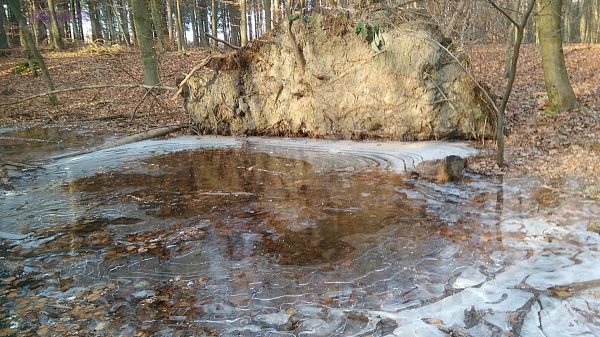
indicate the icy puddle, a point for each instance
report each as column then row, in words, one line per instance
column 266, row 237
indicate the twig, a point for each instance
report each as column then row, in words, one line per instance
column 95, row 86
column 195, row 69
column 139, row 103
column 222, row 41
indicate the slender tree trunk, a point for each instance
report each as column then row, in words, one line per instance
column 558, row 87
column 142, row 22
column 55, row 35
column 124, row 21
column 511, row 33
column 3, row 38
column 159, row 26
column 95, row 20
column 213, row 19
column 203, row 22
column 268, row 26
column 73, row 18
column 79, row 18
column 243, row 23
column 179, row 25
column 15, row 7
column 130, row 14
column 194, row 21
column 109, row 15
column 170, row 20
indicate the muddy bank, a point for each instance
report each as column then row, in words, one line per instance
column 409, row 90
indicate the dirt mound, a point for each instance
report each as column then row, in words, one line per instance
column 324, row 80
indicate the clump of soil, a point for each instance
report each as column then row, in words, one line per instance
column 410, row 90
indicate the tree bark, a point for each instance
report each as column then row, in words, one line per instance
column 213, row 19
column 142, row 22
column 3, row 38
column 159, row 26
column 558, row 87
column 95, row 20
column 124, row 21
column 243, row 23
column 15, row 7
column 268, row 25
column 511, row 33
column 194, row 19
column 179, row 26
column 170, row 20
column 55, row 35
column 109, row 15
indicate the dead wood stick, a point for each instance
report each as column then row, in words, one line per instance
column 201, row 65
column 222, row 41
column 136, row 137
column 95, row 86
column 138, row 105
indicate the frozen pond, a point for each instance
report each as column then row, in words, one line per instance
column 273, row 237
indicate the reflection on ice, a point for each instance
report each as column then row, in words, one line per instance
column 293, row 237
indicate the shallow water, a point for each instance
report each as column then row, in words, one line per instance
column 220, row 236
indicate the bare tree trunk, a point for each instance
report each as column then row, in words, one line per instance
column 511, row 37
column 268, row 26
column 558, row 87
column 3, row 38
column 243, row 23
column 157, row 20
column 142, row 21
column 203, row 23
column 73, row 18
column 110, row 20
column 170, row 20
column 194, row 21
column 124, row 21
column 55, row 35
column 95, row 20
column 213, row 18
column 179, row 26
column 15, row 7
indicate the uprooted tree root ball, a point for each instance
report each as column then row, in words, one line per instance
column 410, row 89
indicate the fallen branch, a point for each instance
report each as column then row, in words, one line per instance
column 201, row 65
column 222, row 41
column 95, row 86
column 137, row 137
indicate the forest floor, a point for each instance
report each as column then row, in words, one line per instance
column 539, row 143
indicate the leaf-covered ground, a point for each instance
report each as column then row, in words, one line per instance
column 540, row 142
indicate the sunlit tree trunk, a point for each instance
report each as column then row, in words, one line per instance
column 558, row 87
column 15, row 7
column 179, row 26
column 110, row 20
column 130, row 14
column 74, row 23
column 55, row 35
column 170, row 20
column 143, row 22
column 243, row 23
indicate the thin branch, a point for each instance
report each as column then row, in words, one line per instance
column 195, row 69
column 222, row 41
column 95, row 86
column 503, row 12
